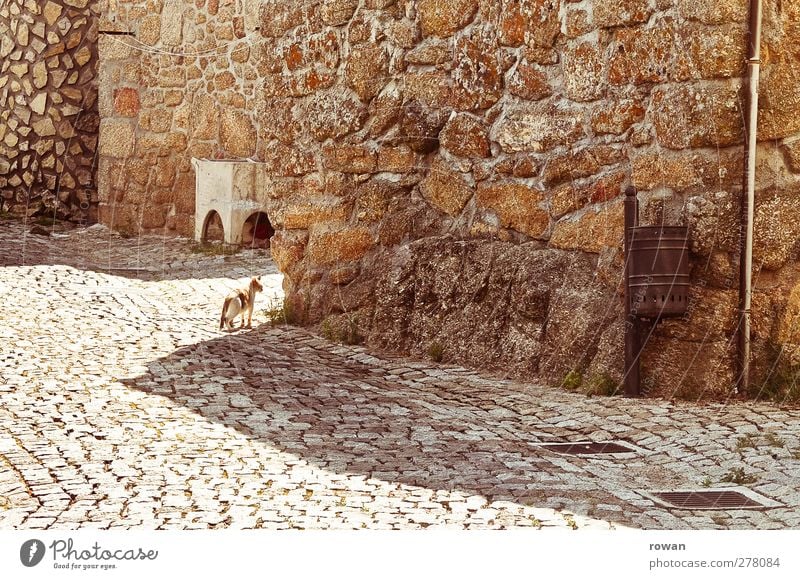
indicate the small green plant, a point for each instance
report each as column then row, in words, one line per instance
column 573, row 380
column 774, row 440
column 746, row 441
column 328, row 332
column 280, row 312
column 706, row 482
column 602, row 385
column 344, row 329
column 352, row 333
column 782, row 384
column 739, row 477
column 436, row 351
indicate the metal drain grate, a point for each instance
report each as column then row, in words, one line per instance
column 579, row 448
column 712, row 499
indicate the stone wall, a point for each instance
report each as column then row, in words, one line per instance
column 48, row 107
column 448, row 175
column 182, row 83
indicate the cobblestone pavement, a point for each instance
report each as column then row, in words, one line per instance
column 122, row 405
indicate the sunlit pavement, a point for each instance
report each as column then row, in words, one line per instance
column 123, row 406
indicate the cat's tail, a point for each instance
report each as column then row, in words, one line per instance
column 224, row 312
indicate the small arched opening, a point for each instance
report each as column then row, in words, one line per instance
column 257, row 231
column 212, row 228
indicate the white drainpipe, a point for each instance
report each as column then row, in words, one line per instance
column 748, row 196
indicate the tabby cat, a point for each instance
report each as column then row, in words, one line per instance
column 240, row 301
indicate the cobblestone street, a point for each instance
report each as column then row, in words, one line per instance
column 123, row 406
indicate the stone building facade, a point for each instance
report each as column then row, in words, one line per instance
column 446, row 176
column 48, row 107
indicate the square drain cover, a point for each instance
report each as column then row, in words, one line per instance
column 581, row 448
column 723, row 499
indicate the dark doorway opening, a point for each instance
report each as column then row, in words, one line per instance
column 212, row 228
column 257, row 231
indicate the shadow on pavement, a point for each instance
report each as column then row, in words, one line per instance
column 149, row 258
column 349, row 417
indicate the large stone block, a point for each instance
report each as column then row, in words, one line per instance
column 366, row 71
column 172, row 22
column 329, row 245
column 374, row 199
column 237, row 134
column 538, row 127
column 617, row 117
column 788, row 328
column 673, row 368
column 117, row 138
column 529, row 81
column 433, row 89
column 126, row 102
column 713, row 11
column 349, row 158
column 333, row 115
column 444, row 18
column 465, row 136
column 287, row 249
column 780, row 101
column 149, row 31
column 584, row 71
column 446, row 189
column 698, row 115
column 517, row 206
column 492, row 304
column 400, row 159
column 642, row 56
column 303, row 213
column 478, row 76
column 278, row 17
column 591, row 230
column 338, row 12
column 575, row 195
column 612, row 13
column 712, row 51
column 532, row 22
column 655, row 168
column 713, row 220
column 776, row 227
column 580, row 163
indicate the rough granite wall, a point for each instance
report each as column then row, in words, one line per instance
column 449, row 174
column 48, row 107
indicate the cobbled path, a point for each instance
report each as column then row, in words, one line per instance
column 123, row 406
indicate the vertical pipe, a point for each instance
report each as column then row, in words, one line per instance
column 632, row 378
column 748, row 195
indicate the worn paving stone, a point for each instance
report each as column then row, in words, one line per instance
column 123, row 406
